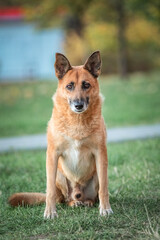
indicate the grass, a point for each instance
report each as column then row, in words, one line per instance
column 134, row 195
column 134, row 167
column 25, row 108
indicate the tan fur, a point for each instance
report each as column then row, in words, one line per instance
column 23, row 199
column 76, row 159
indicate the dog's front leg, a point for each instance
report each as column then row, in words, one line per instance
column 51, row 170
column 102, row 165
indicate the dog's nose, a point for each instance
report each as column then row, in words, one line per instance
column 78, row 195
column 79, row 106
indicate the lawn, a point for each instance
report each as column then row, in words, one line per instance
column 134, row 195
column 25, row 108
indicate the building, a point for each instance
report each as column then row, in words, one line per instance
column 26, row 52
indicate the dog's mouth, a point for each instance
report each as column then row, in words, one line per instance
column 79, row 105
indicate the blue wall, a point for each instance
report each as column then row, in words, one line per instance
column 26, row 52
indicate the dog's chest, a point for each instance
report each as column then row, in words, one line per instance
column 72, row 155
column 77, row 160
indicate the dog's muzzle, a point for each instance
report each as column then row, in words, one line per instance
column 79, row 105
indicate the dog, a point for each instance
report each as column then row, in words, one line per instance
column 76, row 159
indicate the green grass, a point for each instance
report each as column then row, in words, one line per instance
column 134, row 195
column 25, row 108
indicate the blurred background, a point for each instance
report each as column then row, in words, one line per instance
column 127, row 32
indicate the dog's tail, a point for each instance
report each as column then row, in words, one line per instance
column 26, row 198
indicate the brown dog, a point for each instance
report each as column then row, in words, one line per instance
column 76, row 161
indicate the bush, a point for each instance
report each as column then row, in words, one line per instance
column 142, row 44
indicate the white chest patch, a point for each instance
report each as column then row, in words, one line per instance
column 76, row 160
column 72, row 155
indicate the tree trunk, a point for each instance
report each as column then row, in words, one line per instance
column 122, row 42
column 75, row 23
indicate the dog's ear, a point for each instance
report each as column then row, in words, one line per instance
column 62, row 65
column 93, row 64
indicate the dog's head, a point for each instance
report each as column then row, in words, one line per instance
column 78, row 85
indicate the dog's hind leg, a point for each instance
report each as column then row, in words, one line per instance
column 91, row 191
column 62, row 187
column 59, row 196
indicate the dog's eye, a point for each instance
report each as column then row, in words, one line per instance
column 70, row 86
column 85, row 85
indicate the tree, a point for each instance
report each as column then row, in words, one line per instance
column 74, row 15
column 121, row 17
column 114, row 11
column 149, row 9
column 47, row 13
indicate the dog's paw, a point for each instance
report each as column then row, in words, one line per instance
column 75, row 203
column 106, row 212
column 50, row 213
column 88, row 203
